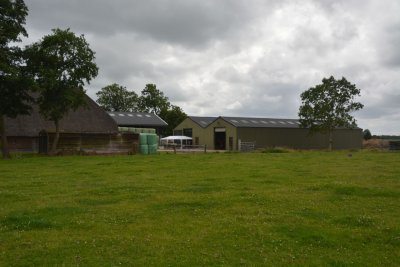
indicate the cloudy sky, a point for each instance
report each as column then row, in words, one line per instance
column 236, row 57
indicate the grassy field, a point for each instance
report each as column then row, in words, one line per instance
column 258, row 209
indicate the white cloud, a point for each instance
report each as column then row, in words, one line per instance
column 242, row 58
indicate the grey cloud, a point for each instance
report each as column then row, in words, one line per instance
column 188, row 23
column 241, row 58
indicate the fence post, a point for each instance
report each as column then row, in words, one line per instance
column 205, row 149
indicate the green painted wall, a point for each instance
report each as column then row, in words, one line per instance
column 197, row 130
column 300, row 138
column 231, row 131
column 273, row 137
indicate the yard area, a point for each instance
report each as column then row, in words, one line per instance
column 220, row 209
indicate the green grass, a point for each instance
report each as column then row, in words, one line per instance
column 254, row 209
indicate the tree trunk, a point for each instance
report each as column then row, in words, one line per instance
column 4, row 144
column 53, row 149
column 330, row 140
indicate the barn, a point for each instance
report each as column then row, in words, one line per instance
column 195, row 127
column 88, row 128
column 139, row 120
column 229, row 133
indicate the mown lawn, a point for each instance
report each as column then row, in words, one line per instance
column 288, row 209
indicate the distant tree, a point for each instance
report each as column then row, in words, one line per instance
column 152, row 100
column 115, row 97
column 328, row 106
column 62, row 63
column 173, row 116
column 367, row 134
column 14, row 83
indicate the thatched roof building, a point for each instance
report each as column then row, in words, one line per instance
column 33, row 133
column 89, row 119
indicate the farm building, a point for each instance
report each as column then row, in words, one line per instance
column 139, row 120
column 228, row 133
column 197, row 125
column 89, row 128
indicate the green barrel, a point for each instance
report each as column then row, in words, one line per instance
column 153, row 149
column 144, row 149
column 142, row 139
column 151, row 139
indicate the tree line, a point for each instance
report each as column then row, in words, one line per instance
column 116, row 97
column 52, row 73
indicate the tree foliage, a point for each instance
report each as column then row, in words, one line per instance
column 153, row 100
column 14, row 82
column 173, row 116
column 328, row 106
column 115, row 97
column 62, row 63
column 367, row 134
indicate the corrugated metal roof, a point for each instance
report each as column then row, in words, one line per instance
column 202, row 121
column 250, row 122
column 137, row 119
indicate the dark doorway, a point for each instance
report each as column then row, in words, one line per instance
column 220, row 138
column 43, row 142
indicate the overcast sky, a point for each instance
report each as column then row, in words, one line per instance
column 237, row 57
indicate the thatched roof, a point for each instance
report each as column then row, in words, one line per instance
column 90, row 119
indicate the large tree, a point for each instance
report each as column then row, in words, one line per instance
column 328, row 106
column 152, row 100
column 62, row 63
column 14, row 83
column 115, row 97
column 173, row 116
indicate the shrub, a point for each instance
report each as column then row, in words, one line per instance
column 276, row 150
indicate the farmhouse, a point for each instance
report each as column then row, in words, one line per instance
column 139, row 120
column 228, row 133
column 88, row 128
